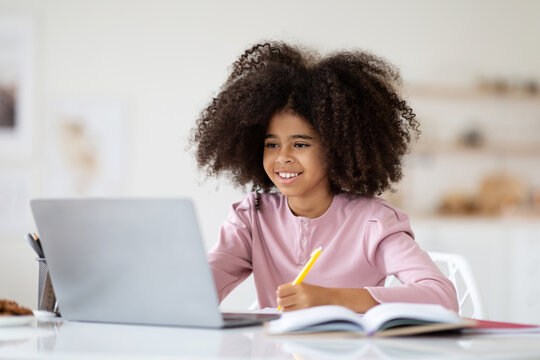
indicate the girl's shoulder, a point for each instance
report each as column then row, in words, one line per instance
column 256, row 206
column 378, row 216
column 257, row 201
column 374, row 208
column 355, row 201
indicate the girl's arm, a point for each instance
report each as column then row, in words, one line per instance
column 230, row 259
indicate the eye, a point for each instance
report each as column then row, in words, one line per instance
column 271, row 145
column 301, row 145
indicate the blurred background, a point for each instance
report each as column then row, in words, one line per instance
column 97, row 98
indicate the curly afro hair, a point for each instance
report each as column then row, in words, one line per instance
column 349, row 98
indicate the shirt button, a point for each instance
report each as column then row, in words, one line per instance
column 304, row 240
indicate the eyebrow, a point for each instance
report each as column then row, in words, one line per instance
column 298, row 136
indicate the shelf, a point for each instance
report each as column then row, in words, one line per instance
column 512, row 150
column 413, row 92
column 503, row 220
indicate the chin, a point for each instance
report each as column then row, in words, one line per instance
column 287, row 192
column 281, row 189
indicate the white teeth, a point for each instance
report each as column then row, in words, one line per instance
column 287, row 175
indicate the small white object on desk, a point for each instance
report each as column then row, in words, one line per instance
column 16, row 320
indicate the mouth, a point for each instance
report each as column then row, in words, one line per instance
column 287, row 177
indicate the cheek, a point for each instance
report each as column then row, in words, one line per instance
column 317, row 166
column 268, row 163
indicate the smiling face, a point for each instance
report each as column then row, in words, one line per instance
column 293, row 159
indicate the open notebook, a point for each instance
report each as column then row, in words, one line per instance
column 139, row 261
column 388, row 319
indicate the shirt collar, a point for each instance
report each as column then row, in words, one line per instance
column 317, row 220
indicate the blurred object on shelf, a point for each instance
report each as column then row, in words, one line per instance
column 458, row 203
column 535, row 201
column 472, row 138
column 502, row 194
column 498, row 194
column 532, row 87
column 509, row 86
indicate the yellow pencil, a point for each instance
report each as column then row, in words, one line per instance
column 314, row 255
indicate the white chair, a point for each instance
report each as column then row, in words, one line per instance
column 457, row 269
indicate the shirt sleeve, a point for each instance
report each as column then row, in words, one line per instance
column 391, row 249
column 231, row 258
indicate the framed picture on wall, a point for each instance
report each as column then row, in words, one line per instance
column 85, row 147
column 16, row 58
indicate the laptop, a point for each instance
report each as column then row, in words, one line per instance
column 135, row 261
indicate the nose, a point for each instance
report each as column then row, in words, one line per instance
column 284, row 156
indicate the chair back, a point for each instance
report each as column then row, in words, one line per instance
column 457, row 269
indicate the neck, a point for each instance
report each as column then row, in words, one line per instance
column 312, row 207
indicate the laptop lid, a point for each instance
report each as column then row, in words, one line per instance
column 128, row 261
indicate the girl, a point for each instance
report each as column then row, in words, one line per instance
column 317, row 139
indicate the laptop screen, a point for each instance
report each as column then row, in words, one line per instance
column 127, row 260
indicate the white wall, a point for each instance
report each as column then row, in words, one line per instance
column 165, row 59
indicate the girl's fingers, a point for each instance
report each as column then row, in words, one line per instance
column 291, row 308
column 286, row 302
column 285, row 290
column 291, row 297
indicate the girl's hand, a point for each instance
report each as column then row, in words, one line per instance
column 303, row 295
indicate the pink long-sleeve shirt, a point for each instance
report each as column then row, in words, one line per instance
column 363, row 241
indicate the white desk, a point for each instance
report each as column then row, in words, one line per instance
column 75, row 340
